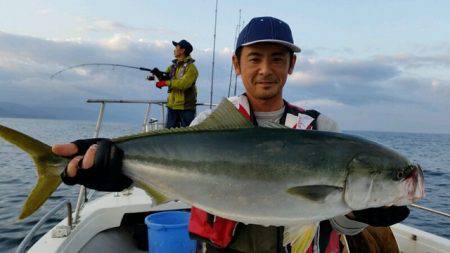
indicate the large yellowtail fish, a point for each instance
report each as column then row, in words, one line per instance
column 265, row 176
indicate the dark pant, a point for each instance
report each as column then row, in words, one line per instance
column 373, row 240
column 179, row 118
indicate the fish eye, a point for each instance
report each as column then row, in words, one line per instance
column 399, row 174
column 403, row 173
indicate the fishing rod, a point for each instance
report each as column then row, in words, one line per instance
column 213, row 57
column 235, row 41
column 238, row 28
column 156, row 72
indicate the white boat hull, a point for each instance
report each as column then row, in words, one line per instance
column 107, row 212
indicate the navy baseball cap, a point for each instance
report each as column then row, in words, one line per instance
column 185, row 45
column 266, row 29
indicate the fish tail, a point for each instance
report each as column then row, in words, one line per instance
column 47, row 167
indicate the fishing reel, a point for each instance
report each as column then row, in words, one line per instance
column 156, row 73
column 162, row 76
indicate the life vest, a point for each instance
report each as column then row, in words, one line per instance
column 176, row 65
column 293, row 116
column 220, row 231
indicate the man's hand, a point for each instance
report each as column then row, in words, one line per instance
column 162, row 76
column 380, row 216
column 96, row 164
column 161, row 84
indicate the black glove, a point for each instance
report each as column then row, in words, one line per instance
column 106, row 173
column 382, row 216
column 162, row 76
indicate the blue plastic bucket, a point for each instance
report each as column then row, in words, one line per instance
column 168, row 232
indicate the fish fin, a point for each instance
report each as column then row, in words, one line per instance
column 299, row 237
column 224, row 116
column 47, row 166
column 158, row 197
column 314, row 192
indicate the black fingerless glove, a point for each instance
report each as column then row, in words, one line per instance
column 106, row 173
column 382, row 216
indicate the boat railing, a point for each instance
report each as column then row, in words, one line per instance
column 83, row 195
column 431, row 210
column 148, row 122
column 29, row 237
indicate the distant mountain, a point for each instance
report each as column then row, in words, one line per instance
column 112, row 112
column 13, row 110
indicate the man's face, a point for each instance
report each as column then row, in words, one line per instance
column 264, row 68
column 178, row 51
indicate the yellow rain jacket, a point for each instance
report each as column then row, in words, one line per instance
column 182, row 90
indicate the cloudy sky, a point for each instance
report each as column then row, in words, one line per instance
column 381, row 66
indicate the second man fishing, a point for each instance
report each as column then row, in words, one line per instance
column 180, row 79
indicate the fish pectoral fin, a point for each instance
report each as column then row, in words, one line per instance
column 314, row 192
column 299, row 236
column 157, row 196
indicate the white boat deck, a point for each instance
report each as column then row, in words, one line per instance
column 100, row 228
column 413, row 240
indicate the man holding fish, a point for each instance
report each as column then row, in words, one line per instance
column 297, row 191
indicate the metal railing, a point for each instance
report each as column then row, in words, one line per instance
column 29, row 237
column 149, row 103
column 431, row 210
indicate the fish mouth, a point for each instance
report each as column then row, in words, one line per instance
column 414, row 184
